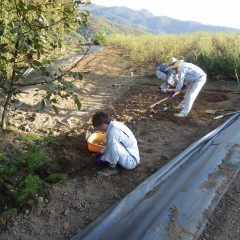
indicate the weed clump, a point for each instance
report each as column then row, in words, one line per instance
column 26, row 189
column 25, row 172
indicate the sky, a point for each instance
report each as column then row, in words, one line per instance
column 213, row 12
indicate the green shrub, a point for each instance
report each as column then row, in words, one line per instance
column 2, row 154
column 33, row 158
column 7, row 171
column 30, row 137
column 57, row 178
column 100, row 38
column 26, row 189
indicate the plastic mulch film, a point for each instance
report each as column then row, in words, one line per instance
column 177, row 200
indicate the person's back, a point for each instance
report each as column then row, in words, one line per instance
column 124, row 137
column 191, row 72
column 168, row 76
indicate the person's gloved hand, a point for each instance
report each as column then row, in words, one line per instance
column 98, row 154
column 99, row 161
column 184, row 87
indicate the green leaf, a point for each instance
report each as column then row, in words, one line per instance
column 14, row 30
column 36, row 64
column 55, row 109
column 77, row 102
column 41, row 105
column 2, row 27
column 2, row 154
column 3, row 47
column 76, row 75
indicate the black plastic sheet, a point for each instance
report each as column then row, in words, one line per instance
column 177, row 200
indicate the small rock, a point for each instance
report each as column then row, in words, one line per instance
column 15, row 223
column 66, row 212
column 40, row 200
column 16, row 104
column 66, row 225
column 16, row 125
column 30, row 202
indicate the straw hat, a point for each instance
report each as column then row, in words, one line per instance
column 173, row 62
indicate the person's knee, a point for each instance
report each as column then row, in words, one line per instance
column 127, row 162
column 129, row 167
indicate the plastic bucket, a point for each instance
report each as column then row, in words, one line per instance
column 97, row 136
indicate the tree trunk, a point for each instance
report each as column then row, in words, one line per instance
column 11, row 88
column 5, row 111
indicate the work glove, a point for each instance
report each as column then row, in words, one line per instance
column 99, row 160
column 184, row 87
column 98, row 155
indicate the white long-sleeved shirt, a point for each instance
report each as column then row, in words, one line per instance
column 118, row 133
column 188, row 72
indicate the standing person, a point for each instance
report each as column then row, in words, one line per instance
column 191, row 75
column 168, row 76
column 121, row 145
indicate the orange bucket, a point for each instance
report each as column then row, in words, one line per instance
column 97, row 136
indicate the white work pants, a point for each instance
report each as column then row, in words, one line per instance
column 125, row 159
column 193, row 90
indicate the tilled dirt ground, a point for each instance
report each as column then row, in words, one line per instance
column 224, row 223
column 107, row 85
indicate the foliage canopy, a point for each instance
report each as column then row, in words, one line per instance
column 30, row 30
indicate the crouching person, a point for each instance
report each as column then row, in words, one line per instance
column 121, row 145
column 167, row 76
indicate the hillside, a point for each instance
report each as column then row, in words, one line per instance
column 146, row 21
column 97, row 23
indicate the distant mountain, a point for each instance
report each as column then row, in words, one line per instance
column 146, row 21
column 96, row 23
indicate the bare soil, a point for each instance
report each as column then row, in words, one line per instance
column 108, row 85
column 224, row 223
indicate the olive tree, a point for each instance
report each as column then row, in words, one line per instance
column 29, row 31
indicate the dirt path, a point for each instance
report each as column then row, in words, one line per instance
column 107, row 84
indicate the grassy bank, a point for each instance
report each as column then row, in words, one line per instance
column 216, row 53
column 27, row 167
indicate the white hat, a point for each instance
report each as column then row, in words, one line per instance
column 173, row 62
